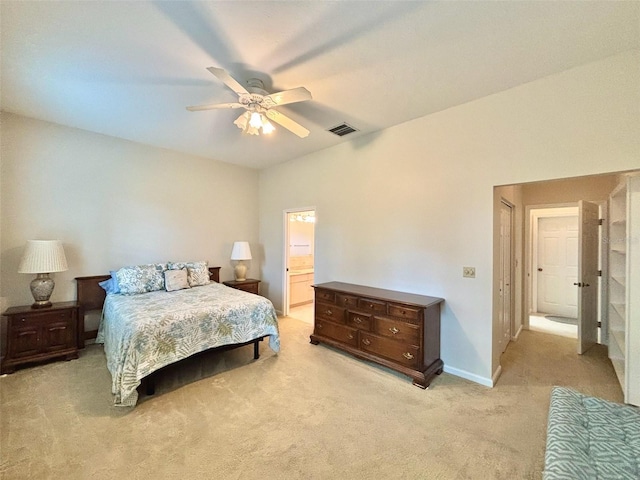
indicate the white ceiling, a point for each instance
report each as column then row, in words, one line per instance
column 129, row 69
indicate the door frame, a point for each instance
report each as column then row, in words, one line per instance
column 536, row 216
column 285, row 254
column 511, row 295
column 532, row 214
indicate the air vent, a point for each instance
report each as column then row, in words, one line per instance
column 342, row 129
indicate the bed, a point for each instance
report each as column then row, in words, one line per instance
column 146, row 332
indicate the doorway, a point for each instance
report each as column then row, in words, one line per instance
column 554, row 269
column 506, row 273
column 299, row 267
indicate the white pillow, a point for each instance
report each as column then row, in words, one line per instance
column 198, row 272
column 176, row 280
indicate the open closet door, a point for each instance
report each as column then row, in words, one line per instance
column 587, row 276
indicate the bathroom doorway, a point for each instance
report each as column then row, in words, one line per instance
column 299, row 263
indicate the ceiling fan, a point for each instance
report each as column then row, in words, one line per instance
column 259, row 105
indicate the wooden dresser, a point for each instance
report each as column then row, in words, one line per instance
column 398, row 330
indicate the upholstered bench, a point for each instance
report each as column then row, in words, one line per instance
column 592, row 439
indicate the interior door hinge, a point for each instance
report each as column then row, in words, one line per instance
column 601, row 221
column 599, row 273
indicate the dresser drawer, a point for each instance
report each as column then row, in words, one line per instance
column 329, row 312
column 399, row 352
column 348, row 301
column 325, row 296
column 404, row 311
column 369, row 305
column 398, row 330
column 340, row 333
column 359, row 320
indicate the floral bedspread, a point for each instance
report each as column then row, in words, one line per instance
column 143, row 333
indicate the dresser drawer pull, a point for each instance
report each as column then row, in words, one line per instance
column 328, row 312
column 366, row 341
column 394, row 330
column 350, row 337
column 407, row 355
column 357, row 320
column 23, row 319
column 319, row 325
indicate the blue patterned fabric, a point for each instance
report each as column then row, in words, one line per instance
column 141, row 278
column 591, row 439
column 143, row 333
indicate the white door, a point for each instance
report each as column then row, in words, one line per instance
column 587, row 276
column 505, row 274
column 557, row 269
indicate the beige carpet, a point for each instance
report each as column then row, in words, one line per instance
column 309, row 412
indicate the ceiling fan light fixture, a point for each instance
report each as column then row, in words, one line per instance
column 242, row 121
column 256, row 120
column 267, row 126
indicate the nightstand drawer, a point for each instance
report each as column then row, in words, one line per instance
column 249, row 285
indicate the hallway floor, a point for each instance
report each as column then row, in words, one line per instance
column 538, row 323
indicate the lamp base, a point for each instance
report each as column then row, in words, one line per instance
column 41, row 289
column 240, row 271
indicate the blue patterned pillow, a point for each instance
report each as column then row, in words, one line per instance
column 198, row 272
column 141, row 278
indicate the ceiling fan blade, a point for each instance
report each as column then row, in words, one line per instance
column 228, row 80
column 299, row 94
column 214, row 106
column 287, row 123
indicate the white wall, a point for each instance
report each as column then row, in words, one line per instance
column 113, row 203
column 407, row 207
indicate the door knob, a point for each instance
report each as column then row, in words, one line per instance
column 539, row 269
column 579, row 284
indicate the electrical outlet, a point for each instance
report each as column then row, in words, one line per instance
column 469, row 272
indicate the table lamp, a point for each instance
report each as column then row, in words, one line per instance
column 42, row 257
column 241, row 252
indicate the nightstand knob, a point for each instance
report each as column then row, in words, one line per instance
column 366, row 341
column 357, row 320
column 350, row 337
column 407, row 355
column 23, row 319
column 329, row 312
column 394, row 330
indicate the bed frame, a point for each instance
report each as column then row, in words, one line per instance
column 91, row 297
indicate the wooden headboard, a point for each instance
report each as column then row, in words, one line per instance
column 91, row 296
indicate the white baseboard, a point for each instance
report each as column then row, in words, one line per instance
column 487, row 382
column 496, row 375
column 515, row 337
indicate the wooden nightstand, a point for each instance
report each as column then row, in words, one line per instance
column 250, row 285
column 36, row 334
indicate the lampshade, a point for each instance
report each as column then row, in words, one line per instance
column 251, row 123
column 241, row 251
column 43, row 256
